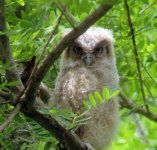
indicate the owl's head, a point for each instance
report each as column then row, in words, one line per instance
column 90, row 48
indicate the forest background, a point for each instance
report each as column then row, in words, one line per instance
column 35, row 26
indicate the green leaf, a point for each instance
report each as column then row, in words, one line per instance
column 150, row 47
column 106, row 93
column 48, row 146
column 86, row 105
column 108, row 1
column 44, row 111
column 13, row 83
column 98, row 97
column 41, row 145
column 91, row 99
column 115, row 93
column 21, row 2
column 2, row 33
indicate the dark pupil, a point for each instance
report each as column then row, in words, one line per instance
column 78, row 50
column 98, row 49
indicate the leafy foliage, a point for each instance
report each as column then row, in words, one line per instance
column 96, row 98
column 29, row 25
column 69, row 119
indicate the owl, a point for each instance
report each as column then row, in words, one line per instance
column 88, row 64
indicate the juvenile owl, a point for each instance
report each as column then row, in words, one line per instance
column 88, row 64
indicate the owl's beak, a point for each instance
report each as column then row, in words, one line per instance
column 88, row 59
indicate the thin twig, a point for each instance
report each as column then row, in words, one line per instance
column 63, row 8
column 10, row 117
column 136, row 54
column 155, row 83
column 45, row 47
column 143, row 10
column 140, row 128
column 5, row 95
column 50, row 38
column 4, row 102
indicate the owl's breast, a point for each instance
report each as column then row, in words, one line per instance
column 75, row 86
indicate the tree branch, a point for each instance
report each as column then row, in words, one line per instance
column 67, row 138
column 126, row 103
column 136, row 54
column 57, row 50
column 6, row 58
column 5, row 52
column 5, row 95
column 10, row 117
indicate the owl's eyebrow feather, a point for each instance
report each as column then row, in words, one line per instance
column 105, row 43
column 101, row 43
column 75, row 44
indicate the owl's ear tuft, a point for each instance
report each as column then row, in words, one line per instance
column 66, row 31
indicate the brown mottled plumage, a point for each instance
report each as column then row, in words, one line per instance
column 87, row 65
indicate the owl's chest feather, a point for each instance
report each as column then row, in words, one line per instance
column 75, row 87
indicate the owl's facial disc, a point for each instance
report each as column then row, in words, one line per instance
column 87, row 58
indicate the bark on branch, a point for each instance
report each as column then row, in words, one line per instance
column 126, row 103
column 67, row 138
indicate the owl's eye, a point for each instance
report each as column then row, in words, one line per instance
column 78, row 50
column 98, row 50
